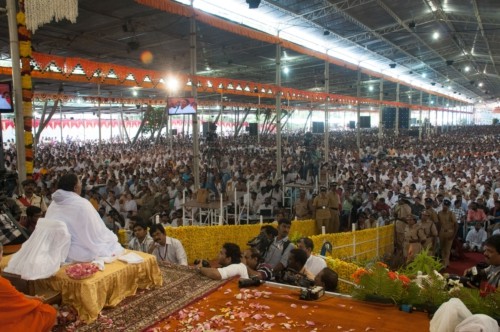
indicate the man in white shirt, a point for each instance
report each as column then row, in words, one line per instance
column 142, row 241
column 167, row 249
column 475, row 238
column 230, row 261
column 314, row 263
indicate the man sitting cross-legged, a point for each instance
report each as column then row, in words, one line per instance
column 141, row 241
column 314, row 263
column 256, row 266
column 230, row 261
column 167, row 249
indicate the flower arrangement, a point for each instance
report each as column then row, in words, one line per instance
column 381, row 284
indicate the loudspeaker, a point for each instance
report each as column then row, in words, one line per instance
column 365, row 122
column 318, row 127
column 352, row 124
column 174, row 132
column 389, row 117
column 253, row 128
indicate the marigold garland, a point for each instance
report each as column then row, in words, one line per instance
column 25, row 52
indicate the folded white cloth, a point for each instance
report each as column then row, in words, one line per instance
column 99, row 263
column 131, row 258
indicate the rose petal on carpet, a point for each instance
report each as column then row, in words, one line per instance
column 182, row 286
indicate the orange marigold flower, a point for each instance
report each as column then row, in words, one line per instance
column 382, row 265
column 404, row 279
column 393, row 275
column 356, row 276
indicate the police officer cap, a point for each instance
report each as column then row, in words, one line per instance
column 322, row 188
column 447, row 202
column 428, row 200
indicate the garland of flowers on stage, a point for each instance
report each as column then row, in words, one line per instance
column 25, row 54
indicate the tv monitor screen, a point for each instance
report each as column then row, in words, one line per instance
column 6, row 98
column 180, row 106
column 266, row 212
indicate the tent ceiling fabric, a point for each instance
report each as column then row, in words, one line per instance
column 400, row 31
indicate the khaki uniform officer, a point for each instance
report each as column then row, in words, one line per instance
column 401, row 213
column 448, row 228
column 430, row 231
column 321, row 210
column 414, row 237
column 302, row 207
column 432, row 213
column 334, row 209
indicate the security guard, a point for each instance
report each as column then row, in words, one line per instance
column 401, row 213
column 321, row 211
column 414, row 237
column 334, row 210
column 430, row 231
column 448, row 228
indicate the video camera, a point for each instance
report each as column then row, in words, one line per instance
column 472, row 277
column 261, row 242
column 311, row 293
column 204, row 262
column 253, row 281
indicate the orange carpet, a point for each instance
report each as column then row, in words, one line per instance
column 269, row 308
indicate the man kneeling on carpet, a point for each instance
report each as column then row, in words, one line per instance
column 167, row 249
column 19, row 312
column 230, row 261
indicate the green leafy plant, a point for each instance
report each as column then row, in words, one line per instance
column 479, row 302
column 424, row 263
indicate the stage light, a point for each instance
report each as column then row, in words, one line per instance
column 392, row 65
column 252, row 4
column 326, row 33
column 449, row 62
column 412, row 24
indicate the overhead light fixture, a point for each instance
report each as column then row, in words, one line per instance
column 252, row 4
column 392, row 65
column 467, row 68
column 480, row 84
column 412, row 25
column 449, row 62
column 424, row 75
column 326, row 33
column 286, row 70
column 433, row 83
column 435, row 35
column 370, row 88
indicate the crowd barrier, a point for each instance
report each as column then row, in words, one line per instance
column 205, row 242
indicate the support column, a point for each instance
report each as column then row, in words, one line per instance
column 278, row 111
column 380, row 111
column 327, row 99
column 194, row 92
column 358, row 113
column 420, row 117
column 17, row 90
column 396, row 130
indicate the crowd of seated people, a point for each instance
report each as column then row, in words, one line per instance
column 151, row 180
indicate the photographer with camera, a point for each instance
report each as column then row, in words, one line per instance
column 492, row 255
column 230, row 261
column 255, row 265
column 296, row 273
column 278, row 251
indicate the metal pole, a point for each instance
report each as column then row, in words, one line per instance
column 358, row 112
column 327, row 127
column 420, row 117
column 278, row 111
column 194, row 91
column 99, row 114
column 396, row 130
column 61, row 123
column 258, row 122
column 380, row 111
column 17, row 89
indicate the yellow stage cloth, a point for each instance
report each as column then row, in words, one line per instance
column 105, row 288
